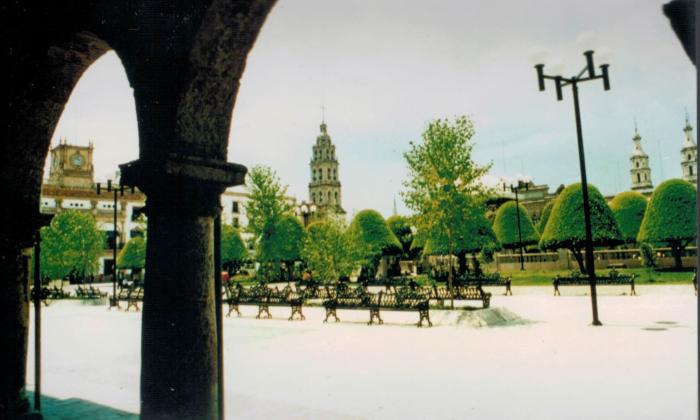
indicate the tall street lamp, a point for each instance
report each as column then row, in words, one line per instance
column 306, row 211
column 113, row 300
column 588, row 73
column 515, row 189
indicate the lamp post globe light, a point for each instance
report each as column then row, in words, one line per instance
column 306, row 211
column 588, row 73
column 515, row 189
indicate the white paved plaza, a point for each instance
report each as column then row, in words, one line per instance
column 641, row 365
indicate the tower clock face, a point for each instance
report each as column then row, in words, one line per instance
column 77, row 160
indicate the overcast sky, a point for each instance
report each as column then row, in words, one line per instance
column 383, row 69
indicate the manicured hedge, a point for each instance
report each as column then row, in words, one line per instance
column 628, row 208
column 506, row 226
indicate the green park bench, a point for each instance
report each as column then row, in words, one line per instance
column 614, row 278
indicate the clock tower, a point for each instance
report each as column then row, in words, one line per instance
column 71, row 166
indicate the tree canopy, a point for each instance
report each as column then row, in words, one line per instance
column 267, row 200
column 544, row 217
column 72, row 240
column 233, row 249
column 443, row 186
column 328, row 251
column 628, row 208
column 671, row 217
column 566, row 226
column 133, row 255
column 506, row 226
column 282, row 240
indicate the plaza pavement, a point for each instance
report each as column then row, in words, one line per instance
column 532, row 356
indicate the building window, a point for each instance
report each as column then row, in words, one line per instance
column 328, row 173
column 313, row 197
column 637, row 164
column 235, row 207
column 320, row 174
column 639, row 178
column 235, row 222
column 109, row 239
column 336, row 196
column 689, row 157
column 691, row 170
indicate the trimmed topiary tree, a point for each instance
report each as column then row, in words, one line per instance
column 566, row 227
column 544, row 217
column 671, row 217
column 506, row 226
column 133, row 255
column 401, row 228
column 372, row 239
column 281, row 242
column 628, row 208
column 233, row 249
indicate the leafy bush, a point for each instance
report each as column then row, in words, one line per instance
column 566, row 226
column 628, row 208
column 671, row 217
column 506, row 226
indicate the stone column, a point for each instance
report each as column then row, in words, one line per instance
column 14, row 322
column 178, row 347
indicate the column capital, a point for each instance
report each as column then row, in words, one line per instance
column 182, row 184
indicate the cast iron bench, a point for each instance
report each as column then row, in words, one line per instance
column 264, row 297
column 612, row 279
column 494, row 279
column 402, row 299
column 461, row 293
column 134, row 297
column 89, row 292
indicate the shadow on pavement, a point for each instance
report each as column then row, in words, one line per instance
column 76, row 408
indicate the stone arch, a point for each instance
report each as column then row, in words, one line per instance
column 184, row 61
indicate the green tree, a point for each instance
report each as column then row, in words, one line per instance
column 443, row 187
column 282, row 242
column 328, row 250
column 372, row 239
column 628, row 208
column 671, row 218
column 506, row 226
column 472, row 234
column 133, row 255
column 566, row 227
column 233, row 249
column 71, row 241
column 267, row 200
column 544, row 217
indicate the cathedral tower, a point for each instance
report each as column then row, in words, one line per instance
column 689, row 154
column 324, row 188
column 640, row 172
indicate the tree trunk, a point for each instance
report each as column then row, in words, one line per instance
column 462, row 263
column 578, row 254
column 677, row 252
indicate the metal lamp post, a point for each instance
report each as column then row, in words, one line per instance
column 587, row 74
column 515, row 189
column 113, row 300
column 306, row 210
